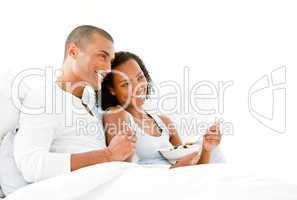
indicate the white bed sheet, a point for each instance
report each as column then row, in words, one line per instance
column 130, row 181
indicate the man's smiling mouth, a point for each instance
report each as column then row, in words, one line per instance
column 100, row 74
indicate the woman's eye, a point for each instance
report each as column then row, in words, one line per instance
column 140, row 78
column 125, row 85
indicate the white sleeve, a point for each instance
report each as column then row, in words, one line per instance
column 32, row 145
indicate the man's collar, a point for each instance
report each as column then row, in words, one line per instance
column 90, row 98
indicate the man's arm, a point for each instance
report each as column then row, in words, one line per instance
column 34, row 140
column 36, row 162
column 32, row 150
column 119, row 149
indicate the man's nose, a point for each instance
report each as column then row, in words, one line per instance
column 107, row 67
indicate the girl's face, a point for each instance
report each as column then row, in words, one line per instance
column 129, row 84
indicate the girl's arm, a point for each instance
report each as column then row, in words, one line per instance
column 115, row 123
column 188, row 160
column 212, row 138
column 173, row 134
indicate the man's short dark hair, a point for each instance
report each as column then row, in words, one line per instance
column 84, row 33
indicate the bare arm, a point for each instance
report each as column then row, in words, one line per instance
column 81, row 160
column 116, row 123
column 119, row 139
column 174, row 137
column 211, row 138
column 190, row 159
column 205, row 157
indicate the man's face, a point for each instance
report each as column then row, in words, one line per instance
column 93, row 60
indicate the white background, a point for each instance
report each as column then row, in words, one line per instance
column 218, row 40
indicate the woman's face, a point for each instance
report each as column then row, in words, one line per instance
column 129, row 84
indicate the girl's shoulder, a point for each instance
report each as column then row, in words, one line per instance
column 114, row 113
column 166, row 120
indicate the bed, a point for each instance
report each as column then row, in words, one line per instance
column 132, row 181
column 119, row 180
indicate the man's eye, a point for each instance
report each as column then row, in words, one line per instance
column 102, row 56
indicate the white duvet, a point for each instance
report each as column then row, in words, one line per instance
column 119, row 180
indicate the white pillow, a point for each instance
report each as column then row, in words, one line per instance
column 11, row 178
column 1, row 194
column 10, row 119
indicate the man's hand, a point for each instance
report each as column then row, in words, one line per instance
column 191, row 159
column 121, row 147
column 212, row 138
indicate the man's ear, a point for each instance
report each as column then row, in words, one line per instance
column 72, row 50
column 111, row 90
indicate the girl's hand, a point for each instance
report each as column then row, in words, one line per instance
column 212, row 138
column 191, row 159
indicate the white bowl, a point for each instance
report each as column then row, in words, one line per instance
column 173, row 155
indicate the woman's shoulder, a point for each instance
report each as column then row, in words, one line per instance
column 115, row 113
column 166, row 119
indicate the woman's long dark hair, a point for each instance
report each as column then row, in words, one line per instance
column 107, row 99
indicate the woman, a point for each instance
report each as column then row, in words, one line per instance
column 127, row 87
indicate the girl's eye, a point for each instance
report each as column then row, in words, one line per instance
column 140, row 77
column 125, row 85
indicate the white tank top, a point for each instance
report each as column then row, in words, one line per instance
column 147, row 146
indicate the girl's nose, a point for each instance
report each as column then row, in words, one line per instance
column 140, row 88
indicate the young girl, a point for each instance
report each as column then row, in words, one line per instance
column 124, row 91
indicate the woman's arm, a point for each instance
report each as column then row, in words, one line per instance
column 173, row 134
column 205, row 157
column 212, row 138
column 121, row 144
column 188, row 160
column 115, row 123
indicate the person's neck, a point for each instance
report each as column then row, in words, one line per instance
column 138, row 113
column 68, row 82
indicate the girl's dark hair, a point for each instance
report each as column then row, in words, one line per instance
column 107, row 99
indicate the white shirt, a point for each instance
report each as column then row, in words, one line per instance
column 61, row 127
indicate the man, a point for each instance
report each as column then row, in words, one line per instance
column 46, row 145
